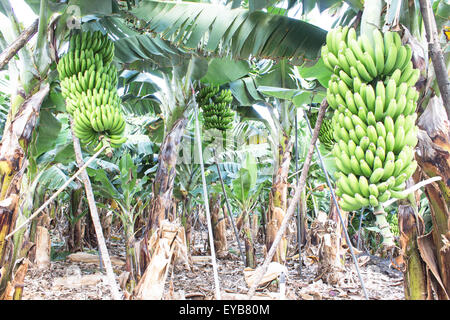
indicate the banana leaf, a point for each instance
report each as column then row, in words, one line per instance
column 238, row 33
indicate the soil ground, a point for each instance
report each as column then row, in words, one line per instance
column 66, row 280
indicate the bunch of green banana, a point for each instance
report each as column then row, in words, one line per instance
column 88, row 83
column 373, row 95
column 349, row 57
column 326, row 135
column 91, row 79
column 374, row 100
column 216, row 107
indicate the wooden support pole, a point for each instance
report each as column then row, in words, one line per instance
column 260, row 271
column 299, row 221
column 205, row 199
column 96, row 221
column 435, row 53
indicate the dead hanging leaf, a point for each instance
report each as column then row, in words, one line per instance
column 273, row 272
column 14, row 288
column 151, row 285
column 427, row 252
column 123, row 280
column 181, row 255
column 445, row 260
column 168, row 242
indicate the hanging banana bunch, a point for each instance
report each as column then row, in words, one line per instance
column 374, row 100
column 215, row 104
column 326, row 136
column 88, row 84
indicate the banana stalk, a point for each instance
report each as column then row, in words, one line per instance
column 383, row 225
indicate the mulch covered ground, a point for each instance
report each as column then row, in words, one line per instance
column 66, row 280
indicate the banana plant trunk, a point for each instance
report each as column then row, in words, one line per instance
column 433, row 156
column 13, row 162
column 76, row 227
column 218, row 223
column 186, row 219
column 165, row 175
column 161, row 203
column 250, row 251
column 416, row 282
column 130, row 254
column 278, row 199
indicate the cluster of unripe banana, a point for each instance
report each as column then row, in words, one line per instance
column 326, row 135
column 88, row 84
column 215, row 103
column 374, row 100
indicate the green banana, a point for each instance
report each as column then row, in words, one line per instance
column 385, row 196
column 401, row 57
column 414, row 77
column 378, row 50
column 364, row 186
column 373, row 190
column 389, row 63
column 362, row 71
column 353, row 183
column 396, row 76
column 373, row 201
column 363, row 202
column 365, row 168
column 376, row 175
column 370, row 65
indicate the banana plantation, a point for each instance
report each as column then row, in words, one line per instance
column 224, row 150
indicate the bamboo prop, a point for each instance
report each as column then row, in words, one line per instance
column 299, row 220
column 18, row 44
column 230, row 216
column 260, row 271
column 95, row 219
column 63, row 187
column 344, row 228
column 205, row 199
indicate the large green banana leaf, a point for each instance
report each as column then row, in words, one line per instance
column 234, row 32
column 135, row 50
